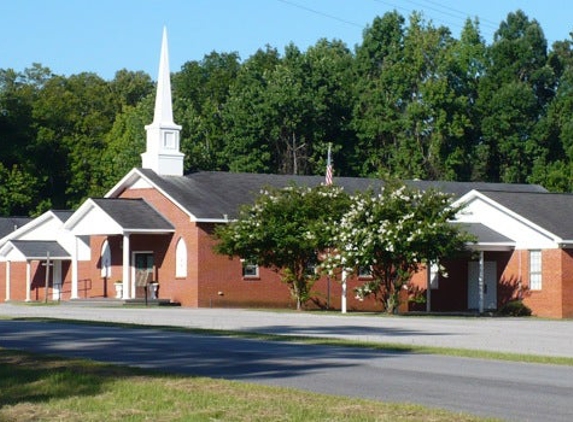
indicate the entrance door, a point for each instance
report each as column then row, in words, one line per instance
column 489, row 285
column 143, row 272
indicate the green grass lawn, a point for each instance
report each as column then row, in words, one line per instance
column 45, row 388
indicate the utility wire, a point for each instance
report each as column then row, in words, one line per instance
column 318, row 12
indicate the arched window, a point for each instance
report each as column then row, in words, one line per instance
column 105, row 260
column 181, row 259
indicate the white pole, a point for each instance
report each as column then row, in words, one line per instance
column 74, row 293
column 8, row 281
column 125, row 264
column 343, row 294
column 28, row 282
column 481, row 281
column 429, row 287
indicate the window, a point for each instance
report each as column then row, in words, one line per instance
column 365, row 271
column 535, row 270
column 105, row 260
column 181, row 259
column 250, row 269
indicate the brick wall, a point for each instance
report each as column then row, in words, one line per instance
column 546, row 302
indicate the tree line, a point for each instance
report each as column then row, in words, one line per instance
column 410, row 101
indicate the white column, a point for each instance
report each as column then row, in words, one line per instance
column 481, row 281
column 8, row 281
column 28, row 283
column 57, row 279
column 343, row 294
column 74, row 294
column 125, row 264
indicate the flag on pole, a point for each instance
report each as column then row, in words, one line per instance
column 328, row 179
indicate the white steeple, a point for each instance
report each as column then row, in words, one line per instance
column 162, row 154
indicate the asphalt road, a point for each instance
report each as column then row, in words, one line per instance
column 512, row 391
column 514, row 335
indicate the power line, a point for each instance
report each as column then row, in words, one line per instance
column 437, row 19
column 318, row 12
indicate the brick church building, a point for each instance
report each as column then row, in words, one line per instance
column 150, row 238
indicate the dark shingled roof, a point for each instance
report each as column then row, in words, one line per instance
column 38, row 249
column 551, row 211
column 63, row 214
column 214, row 195
column 9, row 224
column 484, row 234
column 134, row 214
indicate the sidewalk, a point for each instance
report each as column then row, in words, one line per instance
column 514, row 335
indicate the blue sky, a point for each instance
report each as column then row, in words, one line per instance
column 103, row 36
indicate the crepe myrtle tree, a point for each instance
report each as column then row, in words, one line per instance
column 286, row 230
column 394, row 233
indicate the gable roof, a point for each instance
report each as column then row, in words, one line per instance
column 108, row 216
column 10, row 224
column 133, row 214
column 215, row 196
column 34, row 249
column 487, row 238
column 549, row 211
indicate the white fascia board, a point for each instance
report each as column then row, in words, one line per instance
column 212, row 220
column 124, row 183
column 28, row 227
column 474, row 194
column 147, row 231
column 130, row 178
column 9, row 252
column 486, row 246
column 98, row 219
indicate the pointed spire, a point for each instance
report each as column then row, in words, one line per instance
column 162, row 154
column 163, row 109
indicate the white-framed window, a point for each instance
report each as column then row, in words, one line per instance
column 105, row 260
column 181, row 259
column 535, row 279
column 250, row 269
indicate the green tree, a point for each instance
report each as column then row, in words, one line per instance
column 200, row 92
column 285, row 230
column 71, row 116
column 19, row 192
column 514, row 93
column 247, row 145
column 394, row 233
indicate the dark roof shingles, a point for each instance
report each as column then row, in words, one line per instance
column 214, row 195
column 40, row 248
column 134, row 214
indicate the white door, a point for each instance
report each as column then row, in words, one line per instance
column 489, row 285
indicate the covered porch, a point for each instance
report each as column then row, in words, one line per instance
column 118, row 221
column 474, row 282
column 49, row 256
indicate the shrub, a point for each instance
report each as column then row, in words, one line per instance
column 515, row 308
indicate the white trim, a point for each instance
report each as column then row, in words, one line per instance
column 131, row 178
column 475, row 194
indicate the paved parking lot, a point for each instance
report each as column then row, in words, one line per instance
column 516, row 335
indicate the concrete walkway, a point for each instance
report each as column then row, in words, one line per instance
column 515, row 335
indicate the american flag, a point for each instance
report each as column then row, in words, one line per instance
column 328, row 180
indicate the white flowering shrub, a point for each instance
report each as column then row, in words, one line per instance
column 394, row 232
column 285, row 230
